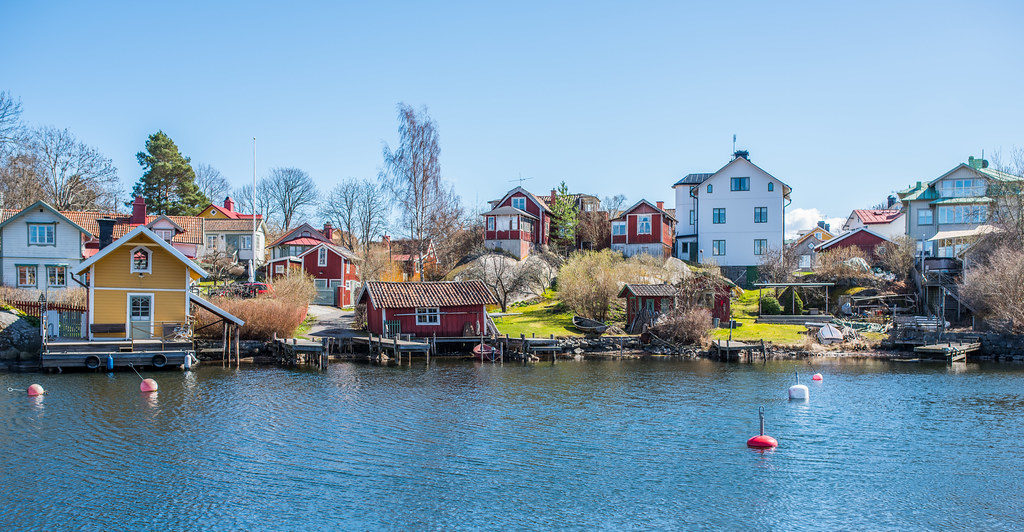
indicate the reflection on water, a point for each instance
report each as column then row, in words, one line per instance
column 614, row 444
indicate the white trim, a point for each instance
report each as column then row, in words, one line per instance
column 321, row 256
column 92, row 307
column 189, row 263
column 136, row 288
column 128, row 313
column 149, row 260
column 437, row 312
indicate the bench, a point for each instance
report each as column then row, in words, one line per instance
column 107, row 328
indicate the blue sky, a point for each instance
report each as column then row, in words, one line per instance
column 845, row 103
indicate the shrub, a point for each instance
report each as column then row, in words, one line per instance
column 790, row 302
column 688, row 326
column 295, row 289
column 995, row 289
column 359, row 318
column 589, row 282
column 263, row 318
column 770, row 306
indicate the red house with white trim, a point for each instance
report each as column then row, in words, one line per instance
column 864, row 239
column 334, row 268
column 517, row 223
column 644, row 228
column 425, row 309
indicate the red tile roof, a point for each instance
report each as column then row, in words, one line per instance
column 232, row 214
column 876, row 216
column 193, row 225
column 427, row 294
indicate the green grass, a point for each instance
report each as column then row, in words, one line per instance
column 304, row 327
column 769, row 332
column 543, row 318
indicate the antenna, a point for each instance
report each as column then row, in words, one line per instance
column 520, row 179
column 734, row 143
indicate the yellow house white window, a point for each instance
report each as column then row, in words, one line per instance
column 142, row 260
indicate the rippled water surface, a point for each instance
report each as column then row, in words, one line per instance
column 582, row 445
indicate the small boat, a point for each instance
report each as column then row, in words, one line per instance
column 829, row 334
column 483, row 351
column 588, row 325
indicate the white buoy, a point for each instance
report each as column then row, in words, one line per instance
column 799, row 392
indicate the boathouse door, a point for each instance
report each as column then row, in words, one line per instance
column 140, row 316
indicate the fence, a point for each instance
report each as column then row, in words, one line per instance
column 62, row 320
column 32, row 307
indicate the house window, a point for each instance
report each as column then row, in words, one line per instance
column 246, row 241
column 760, row 246
column 56, row 275
column 27, row 275
column 618, row 228
column 924, row 217
column 739, row 184
column 279, row 268
column 41, row 234
column 513, row 223
column 805, row 262
column 811, row 245
column 320, row 284
column 760, row 215
column 211, row 242
column 519, row 203
column 962, row 214
column 718, row 215
column 141, row 307
column 428, row 316
column 693, row 216
column 490, row 223
column 771, row 186
column 142, row 261
column 321, row 256
column 684, row 248
column 961, row 188
column 718, row 247
column 709, row 189
column 643, row 224
column 166, row 234
column 817, row 235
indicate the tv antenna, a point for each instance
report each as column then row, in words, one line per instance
column 734, row 143
column 520, row 179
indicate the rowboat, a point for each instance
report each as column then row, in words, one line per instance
column 588, row 325
column 483, row 351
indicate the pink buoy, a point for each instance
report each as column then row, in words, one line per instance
column 762, row 440
column 148, row 385
column 816, row 377
column 35, row 390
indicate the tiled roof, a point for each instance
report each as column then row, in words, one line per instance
column 220, row 224
column 193, row 225
column 232, row 214
column 427, row 294
column 650, row 290
column 876, row 216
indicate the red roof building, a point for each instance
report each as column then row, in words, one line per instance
column 425, row 309
column 888, row 223
column 644, row 228
column 518, row 223
column 334, row 268
column 864, row 239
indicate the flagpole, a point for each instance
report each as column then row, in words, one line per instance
column 252, row 246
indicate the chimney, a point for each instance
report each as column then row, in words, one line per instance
column 741, row 153
column 328, row 230
column 661, row 205
column 553, row 194
column 138, row 211
column 106, row 231
column 229, row 204
column 890, row 201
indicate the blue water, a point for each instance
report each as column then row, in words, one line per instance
column 459, row 445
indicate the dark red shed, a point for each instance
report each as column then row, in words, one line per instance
column 424, row 309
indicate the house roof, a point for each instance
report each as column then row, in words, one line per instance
column 964, row 233
column 232, row 214
column 693, row 179
column 786, row 189
column 214, row 309
column 288, row 235
column 919, row 191
column 191, row 227
column 140, row 229
column 969, row 200
column 507, row 210
column 649, row 204
column 829, row 243
column 338, row 250
column 984, row 172
column 649, row 290
column 10, row 214
column 222, row 224
column 877, row 216
column 426, row 294
column 826, row 235
column 527, row 193
column 301, row 241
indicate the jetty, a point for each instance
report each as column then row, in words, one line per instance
column 733, row 350
column 157, row 353
column 950, row 351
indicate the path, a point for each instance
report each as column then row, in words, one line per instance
column 331, row 321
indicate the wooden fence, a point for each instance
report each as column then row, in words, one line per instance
column 32, row 307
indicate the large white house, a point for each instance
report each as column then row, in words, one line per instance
column 731, row 217
column 886, row 222
column 38, row 247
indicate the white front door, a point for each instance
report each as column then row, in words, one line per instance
column 140, row 316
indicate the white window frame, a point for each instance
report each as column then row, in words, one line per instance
column 166, row 234
column 760, row 246
column 714, row 248
column 320, row 284
column 513, row 223
column 736, row 184
column 805, row 261
column 49, row 234
column 931, row 216
column 211, row 242
column 245, row 242
column 278, row 269
column 519, row 202
column 714, row 215
column 428, row 316
column 321, row 256
column 618, row 228
column 490, row 223
column 643, row 224
column 128, row 310
column 55, row 267
column 35, row 274
column 149, row 260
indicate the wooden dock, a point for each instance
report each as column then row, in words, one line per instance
column 94, row 354
column 296, row 351
column 734, row 350
column 950, row 352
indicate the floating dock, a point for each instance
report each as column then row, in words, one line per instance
column 94, row 354
column 733, row 350
column 950, row 352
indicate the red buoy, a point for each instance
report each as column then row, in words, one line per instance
column 816, row 377
column 762, row 441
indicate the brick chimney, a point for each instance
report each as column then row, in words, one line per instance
column 138, row 212
column 229, row 204
column 661, row 205
column 106, row 235
column 328, row 230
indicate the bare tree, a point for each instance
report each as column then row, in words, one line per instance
column 614, row 205
column 897, row 256
column 211, row 182
column 777, row 265
column 291, row 191
column 995, row 289
column 413, row 174
column 11, row 128
column 264, row 206
column 73, row 176
column 20, row 183
column 339, row 208
column 371, row 214
column 507, row 277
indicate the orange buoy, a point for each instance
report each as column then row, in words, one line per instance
column 816, row 377
column 762, row 440
column 148, row 385
column 35, row 390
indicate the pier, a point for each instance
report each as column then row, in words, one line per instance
column 950, row 352
column 734, row 350
column 94, row 354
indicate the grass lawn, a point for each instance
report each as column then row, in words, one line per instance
column 755, row 332
column 544, row 318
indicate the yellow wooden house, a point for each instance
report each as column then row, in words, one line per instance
column 140, row 287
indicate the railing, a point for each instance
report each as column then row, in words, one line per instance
column 170, row 331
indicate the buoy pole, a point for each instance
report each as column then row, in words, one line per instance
column 760, row 415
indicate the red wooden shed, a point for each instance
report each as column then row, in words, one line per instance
column 863, row 238
column 424, row 309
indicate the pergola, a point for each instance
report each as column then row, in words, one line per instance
column 761, row 286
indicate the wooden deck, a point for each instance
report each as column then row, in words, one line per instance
column 950, row 352
column 83, row 353
column 733, row 350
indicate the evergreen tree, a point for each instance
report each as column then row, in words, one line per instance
column 565, row 216
column 168, row 183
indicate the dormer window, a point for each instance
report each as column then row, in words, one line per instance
column 321, row 256
column 519, row 203
column 142, row 260
column 166, row 234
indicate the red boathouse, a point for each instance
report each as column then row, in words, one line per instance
column 424, row 309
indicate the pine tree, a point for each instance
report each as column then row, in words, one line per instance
column 168, row 183
column 565, row 216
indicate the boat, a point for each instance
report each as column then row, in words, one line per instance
column 483, row 351
column 588, row 325
column 829, row 334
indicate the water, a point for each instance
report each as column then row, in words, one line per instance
column 578, row 445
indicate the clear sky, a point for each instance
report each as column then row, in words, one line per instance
column 844, row 102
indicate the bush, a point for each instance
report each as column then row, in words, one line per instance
column 359, row 318
column 689, row 326
column 263, row 318
column 790, row 302
column 295, row 289
column 589, row 282
column 995, row 289
column 770, row 306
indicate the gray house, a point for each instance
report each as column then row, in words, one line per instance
column 951, row 211
column 38, row 247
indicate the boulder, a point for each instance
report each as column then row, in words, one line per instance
column 18, row 336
